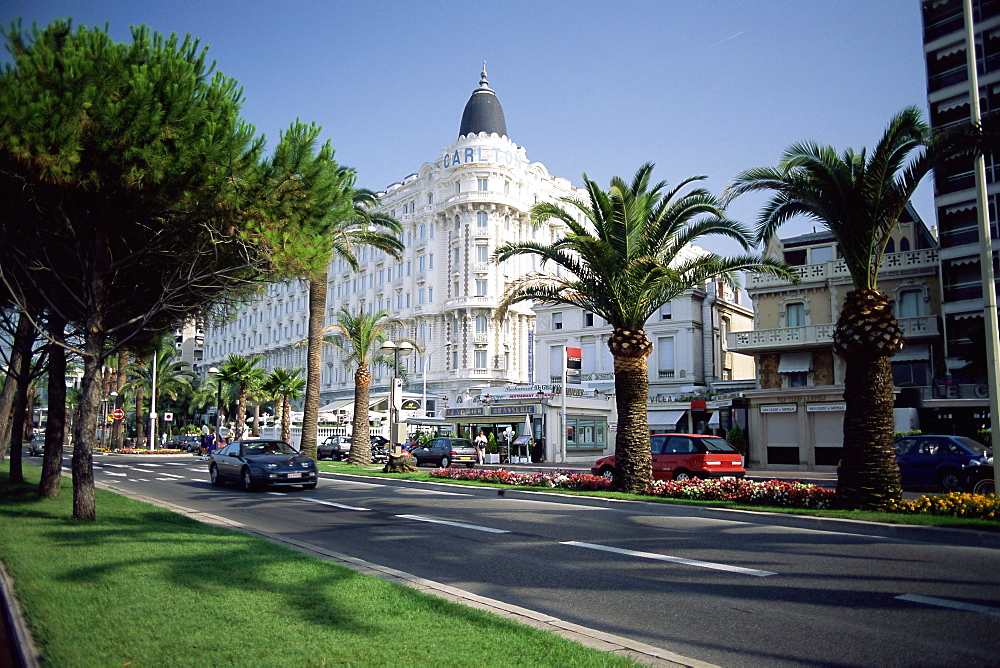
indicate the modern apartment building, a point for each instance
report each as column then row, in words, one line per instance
column 965, row 392
column 796, row 414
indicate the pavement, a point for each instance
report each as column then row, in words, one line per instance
column 24, row 653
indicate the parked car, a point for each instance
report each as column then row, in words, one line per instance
column 980, row 480
column 445, row 451
column 185, row 442
column 259, row 463
column 684, row 456
column 338, row 448
column 37, row 446
column 932, row 460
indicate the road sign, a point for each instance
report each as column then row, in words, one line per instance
column 118, row 414
column 168, row 417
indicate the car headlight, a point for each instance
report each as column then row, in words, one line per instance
column 270, row 466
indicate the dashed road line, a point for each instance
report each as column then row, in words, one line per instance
column 675, row 560
column 954, row 605
column 331, row 503
column 461, row 525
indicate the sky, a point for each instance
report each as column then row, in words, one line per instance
column 698, row 87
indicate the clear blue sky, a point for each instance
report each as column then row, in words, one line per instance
column 705, row 87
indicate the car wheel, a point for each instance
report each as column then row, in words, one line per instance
column 985, row 486
column 607, row 473
column 309, row 485
column 248, row 483
column 445, row 462
column 681, row 474
column 950, row 480
column 213, row 473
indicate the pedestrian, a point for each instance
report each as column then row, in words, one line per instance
column 209, row 443
column 481, row 442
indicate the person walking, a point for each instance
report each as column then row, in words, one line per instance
column 209, row 443
column 481, row 442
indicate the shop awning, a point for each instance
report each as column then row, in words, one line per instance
column 664, row 418
column 795, row 363
column 714, row 421
column 913, row 352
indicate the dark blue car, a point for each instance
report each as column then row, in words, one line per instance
column 928, row 460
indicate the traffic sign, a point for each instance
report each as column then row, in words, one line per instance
column 168, row 417
column 118, row 414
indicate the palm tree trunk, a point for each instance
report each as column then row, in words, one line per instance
column 633, row 461
column 286, row 419
column 140, row 432
column 118, row 384
column 241, row 414
column 49, row 484
column 314, row 361
column 869, row 475
column 361, row 443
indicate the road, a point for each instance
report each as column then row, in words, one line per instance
column 722, row 587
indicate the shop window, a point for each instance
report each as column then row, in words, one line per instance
column 585, row 433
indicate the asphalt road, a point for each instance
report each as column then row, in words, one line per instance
column 722, row 587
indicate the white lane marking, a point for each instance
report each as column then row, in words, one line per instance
column 169, row 476
column 120, row 475
column 405, row 490
column 675, row 560
column 954, row 605
column 148, row 464
column 170, row 479
column 143, row 471
column 475, row 527
column 331, row 503
column 118, row 466
column 141, row 479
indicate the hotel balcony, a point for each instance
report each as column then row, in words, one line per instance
column 816, row 336
column 893, row 265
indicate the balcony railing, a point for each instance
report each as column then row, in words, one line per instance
column 810, row 273
column 791, row 338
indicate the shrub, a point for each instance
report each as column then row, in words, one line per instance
column 955, row 504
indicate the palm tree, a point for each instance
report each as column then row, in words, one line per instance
column 359, row 338
column 629, row 256
column 171, row 378
column 859, row 199
column 242, row 373
column 285, row 385
column 319, row 216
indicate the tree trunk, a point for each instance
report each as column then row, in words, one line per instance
column 361, row 438
column 16, row 367
column 84, row 507
column 314, row 361
column 241, row 415
column 118, row 385
column 55, row 428
column 140, row 430
column 256, row 419
column 633, row 461
column 286, row 419
column 22, row 351
column 869, row 474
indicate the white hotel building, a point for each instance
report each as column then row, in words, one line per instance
column 476, row 195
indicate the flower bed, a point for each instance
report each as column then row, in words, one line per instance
column 771, row 493
column 143, row 451
column 955, row 504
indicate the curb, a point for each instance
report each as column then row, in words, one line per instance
column 22, row 643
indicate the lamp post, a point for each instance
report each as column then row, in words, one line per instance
column 113, row 397
column 423, row 368
column 218, row 401
column 395, row 390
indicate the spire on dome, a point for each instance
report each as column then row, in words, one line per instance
column 483, row 112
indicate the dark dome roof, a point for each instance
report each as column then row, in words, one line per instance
column 483, row 112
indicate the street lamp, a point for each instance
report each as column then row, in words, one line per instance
column 396, row 389
column 218, row 401
column 113, row 396
column 423, row 368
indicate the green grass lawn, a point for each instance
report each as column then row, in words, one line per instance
column 143, row 586
column 863, row 515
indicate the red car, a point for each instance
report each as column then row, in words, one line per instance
column 684, row 456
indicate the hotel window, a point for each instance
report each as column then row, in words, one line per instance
column 588, row 319
column 557, row 321
column 506, row 187
column 430, row 295
column 458, row 222
column 423, row 230
column 910, row 304
column 430, row 198
column 665, row 357
column 482, row 254
column 430, row 258
column 480, row 324
column 483, row 184
column 421, row 262
column 482, row 220
column 480, row 288
column 407, row 300
column 480, row 359
column 795, row 315
column 458, row 191
column 666, row 311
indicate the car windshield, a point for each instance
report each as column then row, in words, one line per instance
column 976, row 447
column 269, row 448
column 718, row 445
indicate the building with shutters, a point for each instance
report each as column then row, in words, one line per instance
column 796, row 414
